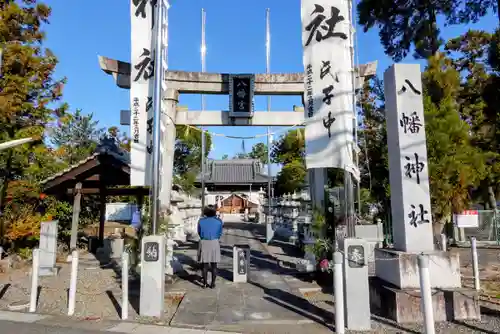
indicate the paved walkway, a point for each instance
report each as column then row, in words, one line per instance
column 266, row 304
column 25, row 323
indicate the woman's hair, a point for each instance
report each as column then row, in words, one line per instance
column 209, row 211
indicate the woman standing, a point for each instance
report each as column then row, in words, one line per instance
column 210, row 231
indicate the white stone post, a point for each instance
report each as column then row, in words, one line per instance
column 444, row 242
column 73, row 282
column 34, row 279
column 125, row 260
column 338, row 283
column 475, row 263
column 426, row 294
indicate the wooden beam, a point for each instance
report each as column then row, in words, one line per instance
column 76, row 216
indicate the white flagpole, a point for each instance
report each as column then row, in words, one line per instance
column 160, row 56
column 203, row 69
column 348, row 179
column 268, row 71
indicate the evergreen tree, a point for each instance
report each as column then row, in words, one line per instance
column 291, row 178
column 456, row 166
column 290, row 147
column 29, row 89
column 76, row 136
column 474, row 56
column 374, row 158
column 187, row 158
column 406, row 24
column 259, row 152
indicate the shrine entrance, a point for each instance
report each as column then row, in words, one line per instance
column 154, row 114
column 182, row 82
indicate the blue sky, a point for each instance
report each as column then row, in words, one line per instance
column 235, row 33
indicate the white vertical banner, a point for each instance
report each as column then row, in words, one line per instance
column 329, row 110
column 408, row 170
column 141, row 80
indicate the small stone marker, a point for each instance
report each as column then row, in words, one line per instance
column 48, row 248
column 152, row 302
column 357, row 291
column 241, row 263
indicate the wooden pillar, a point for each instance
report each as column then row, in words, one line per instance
column 102, row 212
column 140, row 202
column 77, row 192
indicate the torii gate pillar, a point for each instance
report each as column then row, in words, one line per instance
column 167, row 145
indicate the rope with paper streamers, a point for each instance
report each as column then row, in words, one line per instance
column 215, row 134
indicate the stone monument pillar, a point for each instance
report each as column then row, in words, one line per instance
column 48, row 248
column 152, row 299
column 397, row 268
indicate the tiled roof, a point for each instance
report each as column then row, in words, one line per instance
column 107, row 146
column 236, row 171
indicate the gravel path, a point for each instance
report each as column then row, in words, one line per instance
column 98, row 292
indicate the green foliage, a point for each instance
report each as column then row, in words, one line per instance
column 455, row 165
column 29, row 90
column 475, row 56
column 76, row 136
column 259, row 152
column 188, row 149
column 470, row 11
column 406, row 24
column 186, row 181
column 291, row 178
column 289, row 148
column 494, row 51
column 453, row 108
column 374, row 157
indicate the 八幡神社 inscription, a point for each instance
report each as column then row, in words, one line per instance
column 418, row 216
column 411, row 206
column 414, row 167
column 410, row 85
column 410, row 123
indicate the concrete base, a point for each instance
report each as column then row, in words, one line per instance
column 48, row 271
column 401, row 270
column 403, row 306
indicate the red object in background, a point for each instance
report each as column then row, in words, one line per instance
column 324, row 264
column 42, row 196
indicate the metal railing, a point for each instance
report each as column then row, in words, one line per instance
column 488, row 229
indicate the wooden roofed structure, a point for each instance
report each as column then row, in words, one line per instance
column 99, row 174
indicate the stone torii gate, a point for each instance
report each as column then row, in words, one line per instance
column 179, row 82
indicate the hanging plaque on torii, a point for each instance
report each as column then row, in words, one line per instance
column 241, row 91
